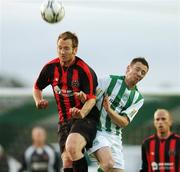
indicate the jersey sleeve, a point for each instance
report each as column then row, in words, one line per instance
column 43, row 79
column 101, row 91
column 89, row 82
column 132, row 110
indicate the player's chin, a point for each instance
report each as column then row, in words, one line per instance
column 161, row 129
column 135, row 82
column 63, row 59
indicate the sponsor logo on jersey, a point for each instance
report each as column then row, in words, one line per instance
column 162, row 166
column 63, row 92
column 154, row 166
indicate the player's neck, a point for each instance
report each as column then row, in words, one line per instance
column 67, row 63
column 38, row 145
column 164, row 135
column 129, row 84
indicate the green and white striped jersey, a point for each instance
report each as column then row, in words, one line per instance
column 123, row 100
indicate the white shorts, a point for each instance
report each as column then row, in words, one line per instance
column 106, row 139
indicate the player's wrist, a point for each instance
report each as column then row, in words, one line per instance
column 110, row 110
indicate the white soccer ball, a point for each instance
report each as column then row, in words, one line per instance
column 52, row 11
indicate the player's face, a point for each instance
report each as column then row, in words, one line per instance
column 135, row 73
column 66, row 51
column 162, row 121
column 38, row 137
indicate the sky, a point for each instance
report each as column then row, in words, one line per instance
column 111, row 33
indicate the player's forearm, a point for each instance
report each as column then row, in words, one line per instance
column 87, row 107
column 121, row 121
column 37, row 95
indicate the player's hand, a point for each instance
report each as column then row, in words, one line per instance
column 81, row 96
column 76, row 113
column 42, row 104
column 106, row 103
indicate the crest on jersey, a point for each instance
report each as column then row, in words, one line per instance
column 75, row 83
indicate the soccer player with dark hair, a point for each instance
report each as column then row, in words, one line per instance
column 118, row 101
column 161, row 151
column 68, row 75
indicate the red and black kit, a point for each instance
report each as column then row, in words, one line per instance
column 161, row 155
column 65, row 82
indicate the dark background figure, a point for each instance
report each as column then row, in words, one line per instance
column 40, row 157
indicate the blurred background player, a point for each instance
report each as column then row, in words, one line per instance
column 8, row 163
column 161, row 151
column 68, row 74
column 4, row 166
column 40, row 157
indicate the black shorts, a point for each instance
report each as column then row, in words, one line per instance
column 87, row 127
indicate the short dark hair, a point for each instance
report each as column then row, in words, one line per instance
column 69, row 35
column 140, row 59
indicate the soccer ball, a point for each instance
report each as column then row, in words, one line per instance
column 52, row 11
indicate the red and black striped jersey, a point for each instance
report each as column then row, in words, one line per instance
column 161, row 155
column 65, row 81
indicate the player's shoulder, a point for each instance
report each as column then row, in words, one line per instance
column 29, row 150
column 50, row 149
column 140, row 95
column 81, row 62
column 149, row 138
column 49, row 146
column 53, row 61
column 84, row 66
column 111, row 79
column 108, row 78
column 175, row 135
column 50, row 64
column 117, row 77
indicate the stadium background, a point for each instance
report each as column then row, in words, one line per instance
column 111, row 33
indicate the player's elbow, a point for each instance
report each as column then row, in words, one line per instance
column 123, row 123
column 92, row 102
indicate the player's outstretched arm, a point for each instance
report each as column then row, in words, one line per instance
column 38, row 98
column 81, row 113
column 88, row 105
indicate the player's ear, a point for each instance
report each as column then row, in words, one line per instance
column 128, row 68
column 170, row 122
column 75, row 50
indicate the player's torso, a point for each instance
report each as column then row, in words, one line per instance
column 39, row 162
column 120, row 98
column 164, row 155
column 40, row 159
column 65, row 82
